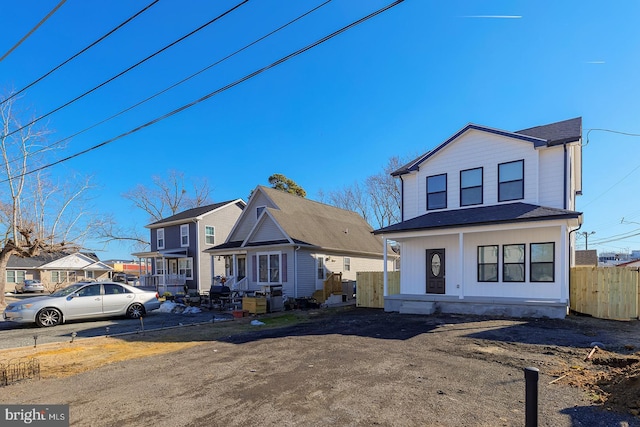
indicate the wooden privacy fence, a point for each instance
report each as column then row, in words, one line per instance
column 605, row 292
column 370, row 287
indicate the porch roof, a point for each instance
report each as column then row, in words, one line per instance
column 169, row 253
column 483, row 215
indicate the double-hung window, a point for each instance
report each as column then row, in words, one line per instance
column 209, row 235
column 58, row 276
column 437, row 191
column 15, row 276
column 542, row 262
column 160, row 238
column 269, row 267
column 511, row 181
column 513, row 263
column 471, row 187
column 184, row 235
column 159, row 266
column 347, row 263
column 488, row 263
column 185, row 268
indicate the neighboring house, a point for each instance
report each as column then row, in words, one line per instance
column 488, row 222
column 587, row 257
column 56, row 270
column 177, row 244
column 633, row 264
column 290, row 241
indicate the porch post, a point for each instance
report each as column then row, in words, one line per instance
column 384, row 267
column 461, row 257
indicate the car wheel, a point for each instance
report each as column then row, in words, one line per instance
column 135, row 311
column 48, row 317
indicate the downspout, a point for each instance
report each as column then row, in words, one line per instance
column 401, row 199
column 570, row 251
column 564, row 147
column 295, row 272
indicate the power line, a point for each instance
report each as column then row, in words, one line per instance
column 33, row 29
column 214, row 93
column 55, row 110
column 53, row 144
column 131, row 18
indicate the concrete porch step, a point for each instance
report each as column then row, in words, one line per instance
column 417, row 307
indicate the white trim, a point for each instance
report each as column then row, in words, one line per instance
column 182, row 235
column 158, row 232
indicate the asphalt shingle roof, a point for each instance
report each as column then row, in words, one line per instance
column 316, row 224
column 553, row 134
column 193, row 213
column 496, row 214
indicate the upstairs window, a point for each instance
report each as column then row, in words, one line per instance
column 209, row 235
column 160, row 238
column 184, row 235
column 471, row 187
column 437, row 191
column 511, row 181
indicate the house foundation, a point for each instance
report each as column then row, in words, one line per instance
column 483, row 306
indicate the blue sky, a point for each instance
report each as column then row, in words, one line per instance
column 398, row 84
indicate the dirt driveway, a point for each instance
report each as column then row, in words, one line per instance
column 349, row 367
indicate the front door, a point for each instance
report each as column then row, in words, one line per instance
column 435, row 271
column 242, row 267
column 173, row 266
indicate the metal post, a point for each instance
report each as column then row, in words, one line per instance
column 531, row 396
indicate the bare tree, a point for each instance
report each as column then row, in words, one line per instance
column 169, row 195
column 36, row 214
column 378, row 201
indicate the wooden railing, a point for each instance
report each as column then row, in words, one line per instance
column 331, row 285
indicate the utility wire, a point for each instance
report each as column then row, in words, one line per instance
column 33, row 29
column 140, row 12
column 127, row 70
column 215, row 92
column 53, row 144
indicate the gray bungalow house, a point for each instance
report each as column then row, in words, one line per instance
column 56, row 270
column 287, row 240
column 178, row 242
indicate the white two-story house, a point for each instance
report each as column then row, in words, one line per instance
column 488, row 222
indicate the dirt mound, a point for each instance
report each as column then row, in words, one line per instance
column 613, row 379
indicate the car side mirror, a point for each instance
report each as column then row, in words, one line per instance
column 72, row 296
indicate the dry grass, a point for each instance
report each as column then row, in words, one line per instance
column 64, row 359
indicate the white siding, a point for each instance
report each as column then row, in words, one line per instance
column 461, row 275
column 471, row 150
column 552, row 177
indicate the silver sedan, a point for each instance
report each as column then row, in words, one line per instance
column 83, row 301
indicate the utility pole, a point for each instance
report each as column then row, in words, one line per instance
column 586, row 235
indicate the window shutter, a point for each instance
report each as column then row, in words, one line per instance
column 284, row 268
column 254, row 266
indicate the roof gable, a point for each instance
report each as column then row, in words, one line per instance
column 16, row 262
column 307, row 222
column 195, row 213
column 75, row 261
column 546, row 135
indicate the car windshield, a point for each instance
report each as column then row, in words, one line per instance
column 68, row 290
